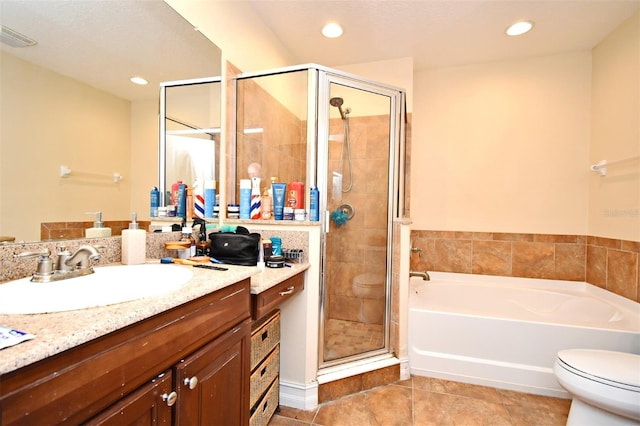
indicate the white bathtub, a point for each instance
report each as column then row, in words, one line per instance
column 505, row 332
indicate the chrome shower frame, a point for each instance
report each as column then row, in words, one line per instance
column 319, row 80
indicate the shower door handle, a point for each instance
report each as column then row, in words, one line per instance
column 326, row 221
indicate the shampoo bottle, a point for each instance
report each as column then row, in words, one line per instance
column 209, row 197
column 155, row 201
column 245, row 198
column 314, row 204
column 98, row 230
column 134, row 244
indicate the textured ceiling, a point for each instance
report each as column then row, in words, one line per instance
column 104, row 42
column 439, row 33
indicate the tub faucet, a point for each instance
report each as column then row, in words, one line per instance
column 424, row 274
column 416, row 250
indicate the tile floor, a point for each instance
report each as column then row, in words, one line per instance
column 345, row 338
column 427, row 401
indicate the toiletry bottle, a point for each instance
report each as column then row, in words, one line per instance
column 256, row 201
column 98, row 230
column 295, row 195
column 209, row 197
column 279, row 193
column 245, row 198
column 314, row 204
column 190, row 204
column 266, row 206
column 175, row 188
column 198, row 200
column 155, row 201
column 187, row 235
column 182, row 201
column 134, row 243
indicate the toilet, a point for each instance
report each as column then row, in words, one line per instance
column 604, row 385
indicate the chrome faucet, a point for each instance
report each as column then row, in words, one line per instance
column 80, row 259
column 67, row 265
column 424, row 274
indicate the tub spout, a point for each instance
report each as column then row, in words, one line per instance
column 424, row 274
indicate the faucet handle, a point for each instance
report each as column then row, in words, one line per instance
column 45, row 265
column 62, row 256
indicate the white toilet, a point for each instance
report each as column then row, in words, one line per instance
column 605, row 386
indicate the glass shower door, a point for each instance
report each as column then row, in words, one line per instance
column 357, row 240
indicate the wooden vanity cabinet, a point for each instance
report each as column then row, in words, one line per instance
column 145, row 406
column 127, row 371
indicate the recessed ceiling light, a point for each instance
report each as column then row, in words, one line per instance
column 332, row 30
column 519, row 28
column 139, row 80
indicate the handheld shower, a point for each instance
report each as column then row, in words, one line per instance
column 337, row 102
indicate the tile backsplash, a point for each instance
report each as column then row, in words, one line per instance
column 607, row 263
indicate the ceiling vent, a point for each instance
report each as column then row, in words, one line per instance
column 15, row 39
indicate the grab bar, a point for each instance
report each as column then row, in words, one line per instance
column 424, row 274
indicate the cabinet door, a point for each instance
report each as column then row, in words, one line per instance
column 213, row 383
column 149, row 405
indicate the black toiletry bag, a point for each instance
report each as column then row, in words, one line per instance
column 236, row 248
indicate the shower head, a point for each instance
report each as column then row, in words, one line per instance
column 337, row 102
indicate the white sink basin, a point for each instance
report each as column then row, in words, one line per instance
column 107, row 286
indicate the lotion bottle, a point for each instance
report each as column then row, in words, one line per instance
column 134, row 244
column 98, row 230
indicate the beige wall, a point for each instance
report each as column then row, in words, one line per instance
column 49, row 120
column 614, row 200
column 503, row 146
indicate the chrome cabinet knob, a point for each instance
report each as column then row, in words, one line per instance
column 191, row 382
column 170, row 399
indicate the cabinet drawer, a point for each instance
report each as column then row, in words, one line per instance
column 264, row 337
column 268, row 300
column 262, row 377
column 262, row 413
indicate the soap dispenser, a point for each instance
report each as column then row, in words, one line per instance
column 134, row 244
column 98, row 230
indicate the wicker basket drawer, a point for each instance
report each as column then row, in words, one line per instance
column 262, row 413
column 264, row 337
column 264, row 375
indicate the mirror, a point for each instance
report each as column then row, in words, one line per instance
column 189, row 134
column 67, row 105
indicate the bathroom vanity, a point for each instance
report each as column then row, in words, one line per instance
column 180, row 358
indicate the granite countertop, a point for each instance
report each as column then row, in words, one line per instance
column 59, row 331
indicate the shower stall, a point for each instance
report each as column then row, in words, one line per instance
column 345, row 135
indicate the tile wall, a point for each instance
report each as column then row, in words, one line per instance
column 607, row 263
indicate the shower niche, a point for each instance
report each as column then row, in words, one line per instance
column 345, row 135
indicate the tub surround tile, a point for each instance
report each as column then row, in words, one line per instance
column 570, row 262
column 534, row 260
column 621, row 273
column 491, row 258
column 608, row 263
column 597, row 266
column 453, row 255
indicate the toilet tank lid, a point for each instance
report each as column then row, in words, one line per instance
column 620, row 367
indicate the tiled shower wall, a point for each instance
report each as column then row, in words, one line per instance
column 607, row 263
column 280, row 148
column 357, row 249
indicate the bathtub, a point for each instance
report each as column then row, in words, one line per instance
column 505, row 332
